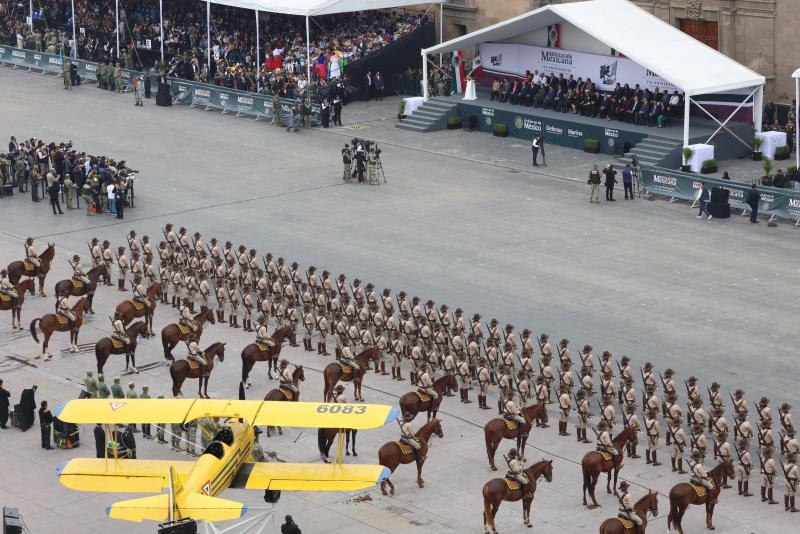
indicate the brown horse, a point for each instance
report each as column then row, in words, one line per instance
column 326, row 437
column 391, row 454
column 172, row 333
column 497, row 490
column 283, row 394
column 496, row 430
column 17, row 269
column 412, row 403
column 16, row 311
column 67, row 288
column 645, row 505
column 593, row 464
column 51, row 322
column 682, row 495
column 105, row 346
column 333, row 373
column 252, row 354
column 181, row 370
column 126, row 311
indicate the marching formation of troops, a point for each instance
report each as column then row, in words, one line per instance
column 482, row 355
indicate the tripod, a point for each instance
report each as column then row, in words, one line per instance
column 380, row 169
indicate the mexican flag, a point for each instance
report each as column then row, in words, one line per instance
column 458, row 83
column 477, row 67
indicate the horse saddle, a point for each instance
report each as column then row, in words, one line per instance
column 346, row 369
column 699, row 490
column 405, row 448
column 117, row 344
column 77, row 284
column 183, row 329
column 625, row 522
column 512, row 485
column 62, row 319
column 262, row 347
column 29, row 267
column 511, row 424
column 5, row 297
column 424, row 398
column 193, row 365
column 138, row 306
column 286, row 392
column 606, row 456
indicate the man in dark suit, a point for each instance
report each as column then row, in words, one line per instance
column 377, row 83
column 644, row 113
column 752, row 200
column 366, row 87
column 100, row 441
column 605, row 108
column 45, row 424
column 4, row 396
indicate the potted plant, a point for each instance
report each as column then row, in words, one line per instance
column 767, row 166
column 469, row 123
column 591, row 146
column 782, row 152
column 687, row 152
column 401, row 110
column 500, row 130
column 791, row 172
column 709, row 166
column 453, row 123
column 757, row 141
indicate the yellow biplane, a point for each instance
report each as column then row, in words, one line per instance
column 227, row 462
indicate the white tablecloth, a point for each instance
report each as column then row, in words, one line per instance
column 772, row 140
column 701, row 153
column 471, row 93
column 413, row 103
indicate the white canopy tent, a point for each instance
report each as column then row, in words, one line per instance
column 304, row 8
column 649, row 41
column 796, row 76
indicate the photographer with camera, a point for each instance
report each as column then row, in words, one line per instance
column 347, row 160
column 361, row 161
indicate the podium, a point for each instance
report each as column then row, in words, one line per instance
column 163, row 96
column 471, row 92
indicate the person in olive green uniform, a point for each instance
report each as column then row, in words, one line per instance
column 69, row 185
column 160, row 428
column 65, row 67
column 177, row 433
column 102, row 388
column 118, row 78
column 116, row 390
column 191, row 436
column 146, row 426
column 37, row 39
column 208, row 429
column 131, row 394
column 91, row 385
column 276, row 109
column 22, row 179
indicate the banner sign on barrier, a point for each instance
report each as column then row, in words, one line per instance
column 780, row 203
column 182, row 91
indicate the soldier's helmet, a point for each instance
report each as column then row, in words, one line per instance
column 564, row 342
column 182, row 230
column 602, row 425
column 624, row 486
column 587, row 348
column 284, row 362
column 29, row 241
column 339, row 388
column 512, row 453
column 94, row 241
column 625, row 359
column 76, row 258
column 696, row 455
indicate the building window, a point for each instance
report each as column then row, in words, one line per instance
column 461, row 29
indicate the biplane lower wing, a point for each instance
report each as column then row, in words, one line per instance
column 309, row 477
column 121, row 476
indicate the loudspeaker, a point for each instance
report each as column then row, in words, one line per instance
column 11, row 521
column 719, row 195
column 163, row 97
column 621, row 147
column 719, row 210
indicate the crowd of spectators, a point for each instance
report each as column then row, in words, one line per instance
column 335, row 40
column 60, row 171
column 581, row 97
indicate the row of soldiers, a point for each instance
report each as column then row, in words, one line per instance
column 358, row 317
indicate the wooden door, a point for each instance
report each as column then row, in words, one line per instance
column 704, row 31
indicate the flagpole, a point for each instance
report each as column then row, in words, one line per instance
column 74, row 39
column 117, row 17
column 258, row 56
column 208, row 39
column 161, row 26
column 308, row 52
column 30, row 6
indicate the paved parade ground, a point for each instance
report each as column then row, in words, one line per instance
column 462, row 220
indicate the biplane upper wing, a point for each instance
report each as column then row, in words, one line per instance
column 309, row 477
column 121, row 476
column 273, row 413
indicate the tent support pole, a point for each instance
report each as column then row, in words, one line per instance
column 758, row 108
column 425, row 75
column 796, row 122
column 208, row 39
column 74, row 38
column 161, row 26
column 687, row 108
column 258, row 56
column 726, row 121
column 30, row 7
column 441, row 31
column 117, row 17
column 308, row 51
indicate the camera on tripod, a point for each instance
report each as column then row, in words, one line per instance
column 366, row 143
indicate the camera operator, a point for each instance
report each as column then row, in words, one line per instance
column 372, row 165
column 361, row 159
column 347, row 160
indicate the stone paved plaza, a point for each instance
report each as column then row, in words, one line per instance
column 463, row 220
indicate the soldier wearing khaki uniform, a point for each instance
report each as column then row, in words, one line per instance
column 233, row 295
column 484, row 378
column 679, row 443
column 652, row 432
column 464, row 380
column 792, row 474
column 582, row 409
column 397, row 349
column 124, row 265
column 743, row 468
column 768, row 473
column 564, row 407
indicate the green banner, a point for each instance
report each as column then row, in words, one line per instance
column 781, row 203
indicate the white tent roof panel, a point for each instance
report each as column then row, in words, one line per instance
column 644, row 38
column 312, row 8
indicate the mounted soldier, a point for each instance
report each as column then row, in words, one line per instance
column 64, row 309
column 140, row 293
column 262, row 336
column 699, row 476
column 626, row 510
column 426, row 382
column 7, row 288
column 407, row 435
column 604, row 440
column 31, row 255
column 197, row 355
column 78, row 274
column 285, row 377
column 186, row 318
column 118, row 333
column 516, row 470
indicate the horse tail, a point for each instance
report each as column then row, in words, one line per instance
column 672, row 517
column 33, row 329
column 244, row 366
column 488, row 439
column 165, row 345
column 587, row 479
column 487, row 508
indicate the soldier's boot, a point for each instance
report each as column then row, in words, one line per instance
column 619, row 396
column 325, row 349
column 236, row 321
column 647, row 457
column 680, row 467
column 400, row 376
column 791, row 505
column 746, row 487
column 293, row 339
column 338, row 352
column 669, row 440
column 383, row 368
column 221, row 316
column 449, row 392
column 466, row 396
column 565, row 429
column 485, row 404
column 786, row 503
column 191, row 306
column 739, row 486
column 250, row 325
column 672, row 462
column 725, row 484
column 655, row 459
column 763, row 494
column 413, row 377
column 769, row 494
column 587, row 441
column 394, row 373
column 633, row 450
column 377, row 369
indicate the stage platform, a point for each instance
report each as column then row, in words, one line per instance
column 570, row 130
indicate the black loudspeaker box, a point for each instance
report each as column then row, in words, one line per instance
column 719, row 211
column 182, row 526
column 11, row 521
column 719, row 195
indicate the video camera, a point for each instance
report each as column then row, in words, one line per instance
column 366, row 143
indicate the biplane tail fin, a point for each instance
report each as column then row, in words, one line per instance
column 194, row 505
